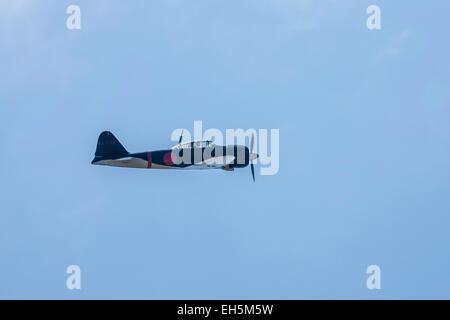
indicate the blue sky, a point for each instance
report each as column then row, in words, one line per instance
column 364, row 173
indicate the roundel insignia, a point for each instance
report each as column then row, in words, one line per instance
column 168, row 158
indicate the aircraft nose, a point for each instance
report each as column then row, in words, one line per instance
column 254, row 156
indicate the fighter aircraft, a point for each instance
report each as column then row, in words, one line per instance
column 189, row 155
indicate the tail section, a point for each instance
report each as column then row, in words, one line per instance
column 108, row 147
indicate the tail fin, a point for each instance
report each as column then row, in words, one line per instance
column 108, row 147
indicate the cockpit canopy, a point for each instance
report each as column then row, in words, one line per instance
column 194, row 144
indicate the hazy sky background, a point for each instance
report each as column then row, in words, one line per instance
column 364, row 119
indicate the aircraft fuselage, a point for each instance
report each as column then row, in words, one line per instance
column 186, row 158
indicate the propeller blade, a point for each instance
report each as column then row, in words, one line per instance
column 181, row 137
column 251, row 161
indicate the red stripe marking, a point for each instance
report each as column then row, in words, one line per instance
column 149, row 165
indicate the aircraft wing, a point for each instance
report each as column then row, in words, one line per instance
column 216, row 162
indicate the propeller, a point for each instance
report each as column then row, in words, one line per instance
column 181, row 137
column 251, row 153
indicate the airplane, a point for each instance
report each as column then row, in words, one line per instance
column 202, row 154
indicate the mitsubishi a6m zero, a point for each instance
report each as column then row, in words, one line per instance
column 189, row 155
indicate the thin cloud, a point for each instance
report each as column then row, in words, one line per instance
column 393, row 47
column 8, row 7
column 309, row 14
